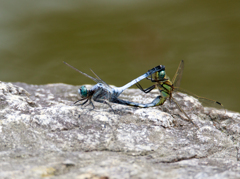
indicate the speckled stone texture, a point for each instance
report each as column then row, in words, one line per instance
column 42, row 134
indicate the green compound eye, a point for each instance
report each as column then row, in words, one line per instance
column 161, row 74
column 83, row 91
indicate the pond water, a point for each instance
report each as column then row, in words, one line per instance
column 121, row 40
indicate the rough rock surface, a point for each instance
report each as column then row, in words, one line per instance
column 42, row 134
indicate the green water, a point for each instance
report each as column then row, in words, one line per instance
column 121, row 40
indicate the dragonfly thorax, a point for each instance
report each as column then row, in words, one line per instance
column 83, row 91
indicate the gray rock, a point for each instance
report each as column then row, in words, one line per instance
column 42, row 134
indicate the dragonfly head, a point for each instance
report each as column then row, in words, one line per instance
column 161, row 74
column 83, row 91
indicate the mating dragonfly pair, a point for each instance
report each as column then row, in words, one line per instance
column 103, row 93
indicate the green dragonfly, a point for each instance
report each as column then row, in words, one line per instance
column 166, row 87
column 102, row 92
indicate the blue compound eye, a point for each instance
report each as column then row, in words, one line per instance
column 162, row 74
column 83, row 91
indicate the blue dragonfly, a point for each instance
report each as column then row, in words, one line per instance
column 102, row 92
column 166, row 87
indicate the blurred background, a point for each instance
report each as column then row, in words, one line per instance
column 121, row 40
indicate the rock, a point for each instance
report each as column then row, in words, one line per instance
column 42, row 134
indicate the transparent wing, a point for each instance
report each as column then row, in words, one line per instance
column 178, row 76
column 203, row 100
column 176, row 82
column 100, row 80
column 94, row 79
column 106, row 85
column 179, row 107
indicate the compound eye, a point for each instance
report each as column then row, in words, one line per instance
column 83, row 91
column 162, row 74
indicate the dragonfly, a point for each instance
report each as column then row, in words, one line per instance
column 166, row 88
column 102, row 92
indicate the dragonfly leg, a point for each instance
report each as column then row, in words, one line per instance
column 81, row 103
column 152, row 79
column 149, row 78
column 104, row 102
column 90, row 102
column 101, row 95
column 147, row 90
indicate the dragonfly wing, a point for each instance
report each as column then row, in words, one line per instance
column 178, row 75
column 206, row 101
column 183, row 112
column 100, row 80
column 94, row 79
column 109, row 94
